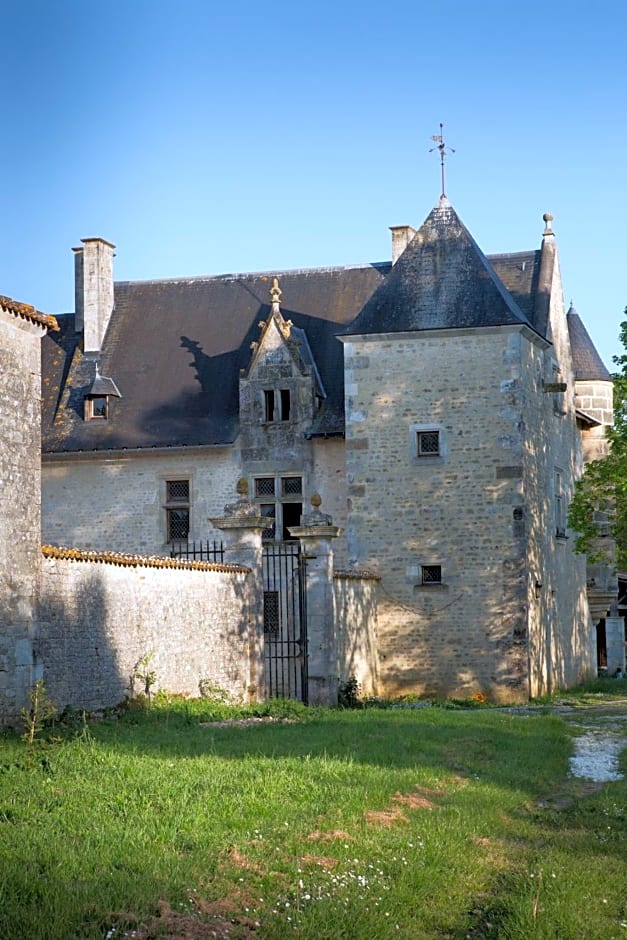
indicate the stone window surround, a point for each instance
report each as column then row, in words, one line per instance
column 412, row 444
column 278, row 498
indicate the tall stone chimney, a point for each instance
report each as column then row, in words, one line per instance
column 401, row 237
column 93, row 270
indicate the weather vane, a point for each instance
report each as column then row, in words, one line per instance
column 441, row 146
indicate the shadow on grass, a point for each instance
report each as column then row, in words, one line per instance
column 503, row 749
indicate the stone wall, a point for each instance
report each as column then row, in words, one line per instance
column 20, row 528
column 101, row 617
column 355, row 604
column 482, row 509
column 116, row 502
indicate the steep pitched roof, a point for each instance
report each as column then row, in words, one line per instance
column 441, row 281
column 586, row 361
column 175, row 349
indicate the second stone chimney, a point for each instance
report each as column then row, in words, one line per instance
column 93, row 269
column 401, row 237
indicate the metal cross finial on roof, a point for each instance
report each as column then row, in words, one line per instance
column 441, row 146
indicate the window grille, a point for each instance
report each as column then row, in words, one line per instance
column 291, row 486
column 271, row 612
column 264, row 486
column 286, row 507
column 431, row 574
column 428, row 443
column 178, row 525
column 268, row 510
column 177, row 491
column 177, row 510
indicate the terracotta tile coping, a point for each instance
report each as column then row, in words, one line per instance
column 28, row 313
column 138, row 561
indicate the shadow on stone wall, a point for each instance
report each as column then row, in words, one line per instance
column 80, row 666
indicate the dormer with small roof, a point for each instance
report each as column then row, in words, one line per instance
column 280, row 390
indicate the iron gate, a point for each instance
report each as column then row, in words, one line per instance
column 284, row 621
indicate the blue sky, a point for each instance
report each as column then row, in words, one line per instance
column 208, row 138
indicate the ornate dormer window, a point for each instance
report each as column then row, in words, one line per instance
column 98, row 398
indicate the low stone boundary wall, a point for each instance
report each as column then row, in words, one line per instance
column 355, row 601
column 102, row 613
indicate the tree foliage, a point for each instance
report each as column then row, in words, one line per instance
column 598, row 510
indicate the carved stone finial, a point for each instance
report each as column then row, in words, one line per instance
column 275, row 291
column 243, row 508
column 547, row 218
column 315, row 517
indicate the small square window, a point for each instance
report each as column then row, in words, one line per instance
column 427, row 443
column 431, row 574
column 96, row 408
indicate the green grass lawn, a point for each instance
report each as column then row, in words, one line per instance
column 364, row 825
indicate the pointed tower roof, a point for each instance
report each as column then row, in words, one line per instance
column 587, row 363
column 441, row 281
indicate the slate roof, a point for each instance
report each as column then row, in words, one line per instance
column 175, row 348
column 586, row 361
column 441, row 281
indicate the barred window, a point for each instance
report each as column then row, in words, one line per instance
column 291, row 486
column 264, row 486
column 271, row 612
column 286, row 507
column 268, row 510
column 177, row 510
column 431, row 574
column 427, row 443
column 177, row 491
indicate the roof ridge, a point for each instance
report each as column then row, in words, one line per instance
column 269, row 273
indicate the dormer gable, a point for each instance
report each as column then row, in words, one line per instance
column 278, row 346
column 281, row 385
